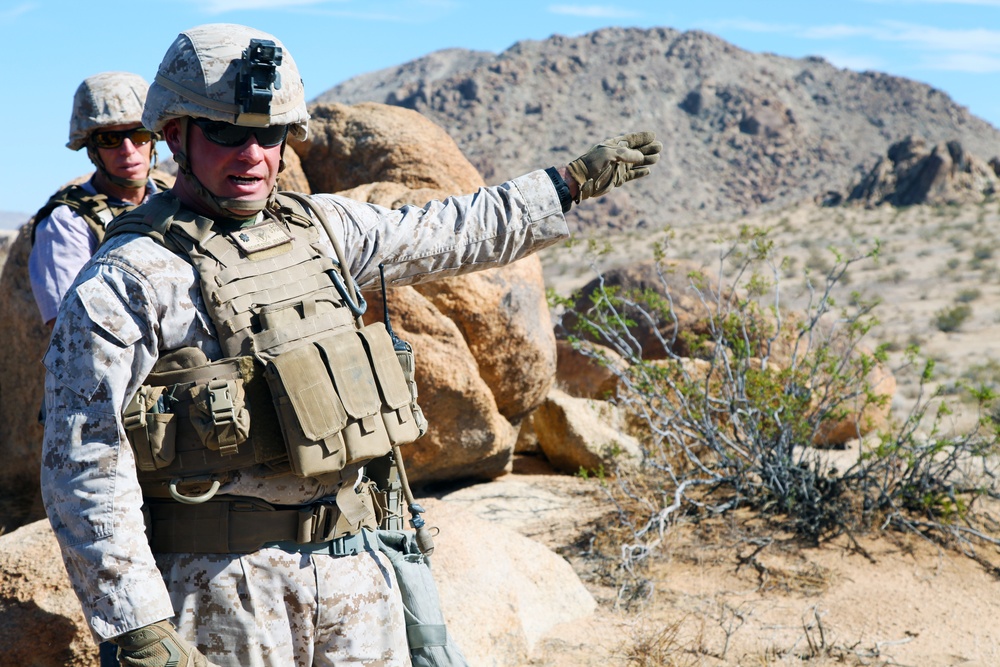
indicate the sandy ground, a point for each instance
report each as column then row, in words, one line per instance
column 733, row 593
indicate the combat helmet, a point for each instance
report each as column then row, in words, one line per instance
column 228, row 73
column 102, row 100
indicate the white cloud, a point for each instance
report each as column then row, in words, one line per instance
column 972, row 40
column 12, row 13
column 975, row 63
column 223, row 6
column 747, row 25
column 975, row 50
column 592, row 11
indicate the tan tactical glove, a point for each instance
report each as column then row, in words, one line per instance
column 613, row 162
column 157, row 645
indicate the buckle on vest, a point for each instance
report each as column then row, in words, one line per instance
column 220, row 404
column 134, row 415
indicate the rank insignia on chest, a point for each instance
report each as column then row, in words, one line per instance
column 252, row 240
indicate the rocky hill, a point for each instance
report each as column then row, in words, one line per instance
column 742, row 131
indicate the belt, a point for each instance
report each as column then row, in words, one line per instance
column 348, row 545
column 244, row 525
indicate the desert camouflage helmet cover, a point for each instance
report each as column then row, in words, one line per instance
column 109, row 98
column 202, row 76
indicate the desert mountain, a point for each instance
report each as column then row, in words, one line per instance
column 742, row 131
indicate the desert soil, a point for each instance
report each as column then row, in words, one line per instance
column 736, row 593
column 885, row 599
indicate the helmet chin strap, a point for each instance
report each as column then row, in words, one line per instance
column 241, row 210
column 131, row 183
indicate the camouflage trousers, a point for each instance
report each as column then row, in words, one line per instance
column 273, row 608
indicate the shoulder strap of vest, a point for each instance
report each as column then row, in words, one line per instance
column 93, row 208
column 161, row 184
column 306, row 202
column 163, row 219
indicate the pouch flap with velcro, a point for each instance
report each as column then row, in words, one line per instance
column 307, row 384
column 391, row 381
column 352, row 374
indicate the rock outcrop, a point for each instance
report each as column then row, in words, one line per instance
column 584, row 434
column 916, row 172
column 21, row 383
column 485, row 344
column 41, row 622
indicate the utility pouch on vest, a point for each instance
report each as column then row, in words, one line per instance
column 340, row 400
column 200, row 424
column 150, row 428
column 219, row 415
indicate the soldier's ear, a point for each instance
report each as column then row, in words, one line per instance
column 172, row 134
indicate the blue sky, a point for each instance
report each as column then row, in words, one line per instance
column 49, row 46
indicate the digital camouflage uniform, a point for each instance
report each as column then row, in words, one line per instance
column 137, row 298
column 138, row 302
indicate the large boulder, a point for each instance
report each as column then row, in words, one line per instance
column 468, row 437
column 498, row 369
column 500, row 591
column 41, row 622
column 21, row 379
column 584, row 434
column 292, row 177
column 585, row 369
column 916, row 172
column 504, row 318
column 391, row 157
column 349, row 146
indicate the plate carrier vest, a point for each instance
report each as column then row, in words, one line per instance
column 305, row 387
column 95, row 209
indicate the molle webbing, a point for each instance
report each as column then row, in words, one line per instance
column 333, row 393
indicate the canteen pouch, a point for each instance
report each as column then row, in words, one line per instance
column 341, row 400
column 150, row 429
column 428, row 639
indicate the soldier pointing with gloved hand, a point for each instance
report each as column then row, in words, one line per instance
column 213, row 397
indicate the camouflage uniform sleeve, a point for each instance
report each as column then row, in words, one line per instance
column 489, row 228
column 106, row 336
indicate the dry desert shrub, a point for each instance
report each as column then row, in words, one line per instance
column 734, row 423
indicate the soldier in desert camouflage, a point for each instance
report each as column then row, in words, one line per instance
column 213, row 397
column 107, row 120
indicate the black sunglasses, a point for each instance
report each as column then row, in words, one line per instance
column 227, row 134
column 114, row 138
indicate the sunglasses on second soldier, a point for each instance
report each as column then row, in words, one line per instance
column 227, row 134
column 114, row 138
